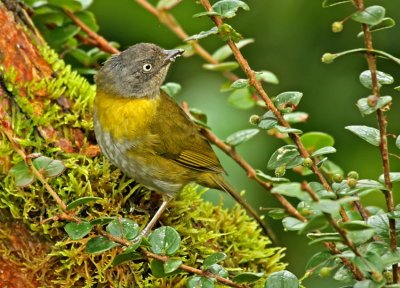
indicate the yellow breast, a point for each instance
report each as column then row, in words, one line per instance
column 124, row 118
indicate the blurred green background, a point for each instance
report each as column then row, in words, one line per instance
column 290, row 37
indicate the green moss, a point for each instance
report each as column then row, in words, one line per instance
column 204, row 228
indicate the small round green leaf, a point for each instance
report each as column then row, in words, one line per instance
column 324, row 151
column 123, row 228
column 247, row 277
column 213, row 259
column 241, row 136
column 171, row 88
column 355, row 225
column 77, row 231
column 268, row 121
column 343, row 274
column 371, row 15
column 242, row 99
column 386, row 23
column 157, row 269
column 123, row 257
column 331, row 168
column 327, row 206
column 240, row 83
column 227, row 32
column 318, row 259
column 382, row 77
column 99, row 244
column 51, row 18
column 277, row 213
column 217, row 269
column 380, row 223
column 332, row 238
column 171, row 265
column 164, row 240
column 61, row 34
column 23, row 175
column 292, row 224
column 267, row 76
column 369, row 134
column 81, row 56
column 200, row 282
column 394, row 177
column 318, row 222
column 48, row 166
column 282, row 129
column 366, row 109
column 81, row 201
column 89, row 19
column 296, row 117
column 291, row 190
column 287, row 156
column 362, row 236
column 228, row 8
column 314, row 141
column 282, row 279
column 261, row 175
column 203, row 34
column 288, row 101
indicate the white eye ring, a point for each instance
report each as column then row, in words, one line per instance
column 147, row 67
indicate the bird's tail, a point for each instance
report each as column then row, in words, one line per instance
column 225, row 186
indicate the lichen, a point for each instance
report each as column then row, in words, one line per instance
column 204, row 228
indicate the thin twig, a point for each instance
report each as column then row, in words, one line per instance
column 306, row 187
column 4, row 127
column 101, row 42
column 251, row 172
column 184, row 267
column 383, row 147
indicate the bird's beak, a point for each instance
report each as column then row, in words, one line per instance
column 171, row 55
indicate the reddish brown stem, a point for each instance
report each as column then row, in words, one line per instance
column 383, row 147
column 184, row 267
column 17, row 148
column 99, row 40
column 251, row 173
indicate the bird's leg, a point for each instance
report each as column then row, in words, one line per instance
column 155, row 218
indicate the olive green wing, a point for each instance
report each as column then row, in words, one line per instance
column 179, row 139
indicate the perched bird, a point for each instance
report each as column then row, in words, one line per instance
column 143, row 132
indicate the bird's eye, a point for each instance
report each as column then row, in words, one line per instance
column 147, row 67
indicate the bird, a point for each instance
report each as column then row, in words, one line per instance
column 147, row 135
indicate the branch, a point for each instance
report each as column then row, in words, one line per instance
column 383, row 147
column 6, row 129
column 184, row 267
column 99, row 40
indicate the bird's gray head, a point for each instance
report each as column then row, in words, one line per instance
column 138, row 71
